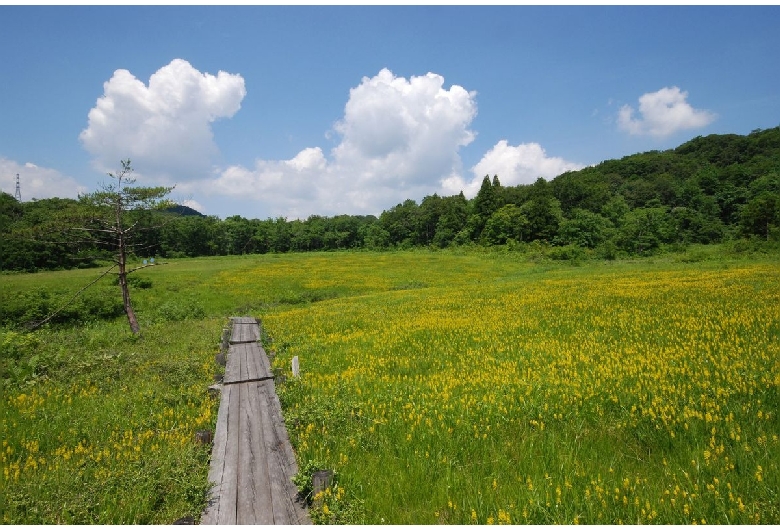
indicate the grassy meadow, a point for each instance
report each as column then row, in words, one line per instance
column 441, row 387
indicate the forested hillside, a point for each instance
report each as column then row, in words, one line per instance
column 708, row 190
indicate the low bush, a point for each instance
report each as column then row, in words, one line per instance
column 24, row 309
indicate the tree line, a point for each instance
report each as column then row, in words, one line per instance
column 707, row 190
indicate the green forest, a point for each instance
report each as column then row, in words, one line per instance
column 708, row 190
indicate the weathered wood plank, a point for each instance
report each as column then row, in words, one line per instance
column 244, row 329
column 217, row 467
column 243, row 320
column 235, row 370
column 264, row 364
column 247, row 362
column 287, row 510
column 254, row 367
column 256, row 363
column 285, row 454
column 232, row 459
column 245, row 333
column 252, row 460
column 243, row 358
column 224, row 462
column 253, row 505
column 277, row 479
column 232, row 369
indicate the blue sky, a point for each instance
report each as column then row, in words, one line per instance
column 293, row 111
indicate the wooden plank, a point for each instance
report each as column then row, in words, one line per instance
column 225, row 461
column 261, row 368
column 255, row 358
column 233, row 366
column 252, row 460
column 217, row 466
column 232, row 459
column 246, row 352
column 265, row 365
column 253, row 505
column 275, row 472
column 283, row 492
column 247, row 362
column 243, row 320
column 245, row 333
column 243, row 354
column 254, row 368
column 287, row 457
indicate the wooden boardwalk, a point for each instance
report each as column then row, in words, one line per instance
column 252, row 462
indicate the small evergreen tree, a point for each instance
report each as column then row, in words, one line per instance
column 108, row 220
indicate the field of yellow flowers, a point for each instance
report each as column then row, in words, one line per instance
column 441, row 387
column 478, row 393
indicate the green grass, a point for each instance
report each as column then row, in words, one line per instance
column 629, row 392
column 453, row 387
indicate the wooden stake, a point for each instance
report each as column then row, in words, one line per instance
column 320, row 481
column 204, row 437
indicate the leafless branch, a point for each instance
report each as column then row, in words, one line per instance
column 36, row 325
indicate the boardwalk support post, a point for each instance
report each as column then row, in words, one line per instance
column 204, row 437
column 225, row 340
column 320, row 481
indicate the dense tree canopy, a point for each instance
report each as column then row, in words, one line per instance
column 705, row 191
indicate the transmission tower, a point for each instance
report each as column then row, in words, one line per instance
column 18, row 193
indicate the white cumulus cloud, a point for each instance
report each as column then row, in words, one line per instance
column 399, row 138
column 408, row 129
column 282, row 187
column 37, row 182
column 514, row 165
column 663, row 113
column 195, row 205
column 164, row 127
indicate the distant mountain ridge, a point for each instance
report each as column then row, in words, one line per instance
column 185, row 211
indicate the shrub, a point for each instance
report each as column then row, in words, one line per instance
column 26, row 308
column 178, row 310
column 139, row 282
column 568, row 253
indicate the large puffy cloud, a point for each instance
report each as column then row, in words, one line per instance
column 37, row 182
column 407, row 130
column 520, row 164
column 399, row 139
column 663, row 113
column 164, row 127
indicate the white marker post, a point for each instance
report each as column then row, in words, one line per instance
column 296, row 368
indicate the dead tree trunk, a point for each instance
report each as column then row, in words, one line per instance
column 122, row 265
column 134, row 327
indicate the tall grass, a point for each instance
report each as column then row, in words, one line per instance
column 625, row 394
column 452, row 387
column 98, row 426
